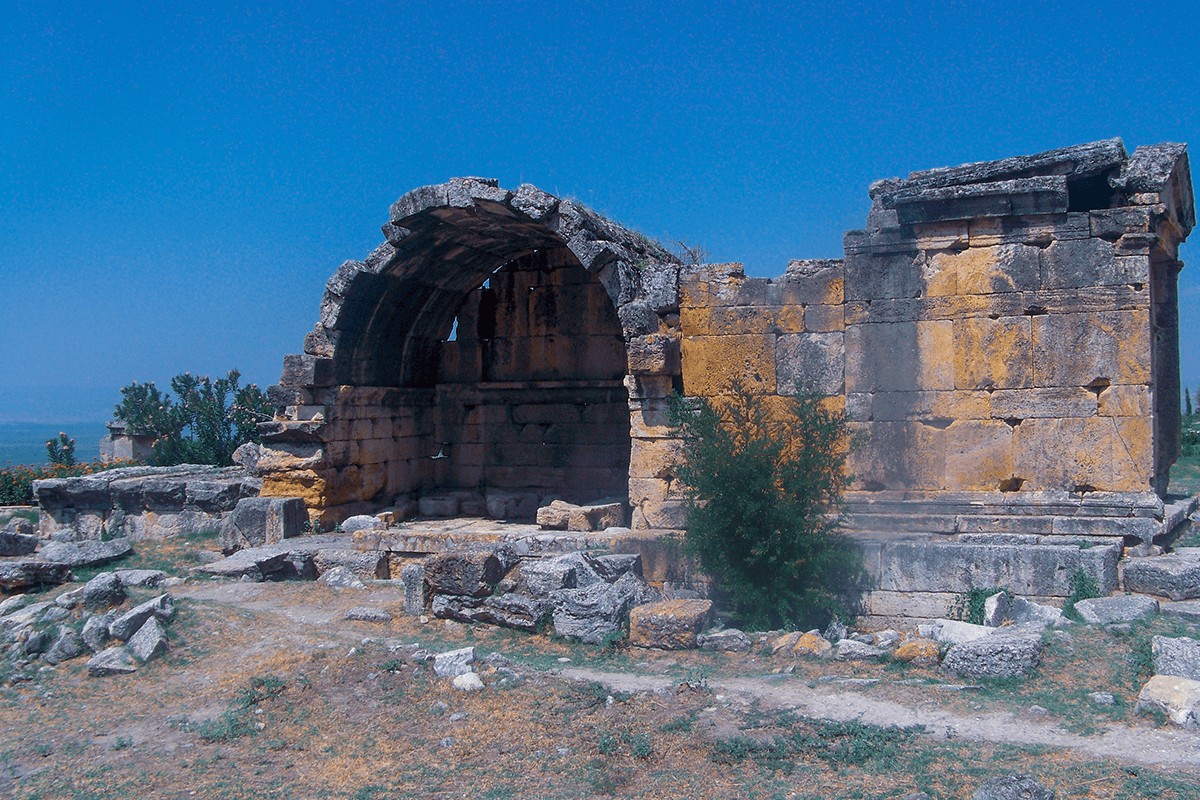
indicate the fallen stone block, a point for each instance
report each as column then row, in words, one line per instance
column 464, row 572
column 594, row 613
column 438, row 505
column 368, row 614
column 147, row 578
column 511, row 506
column 1177, row 698
column 950, row 631
column 115, row 660
column 1013, row 787
column 95, row 631
column 545, row 575
column 813, row 644
column 366, row 565
column 19, row 525
column 14, row 603
column 18, row 575
column 1107, row 610
column 922, row 652
column 253, row 564
column 563, row 516
column 509, row 610
column 1189, row 609
column 1005, row 655
column 1176, row 656
column 851, row 650
column 86, row 554
column 13, row 543
column 1175, row 576
column 454, row 662
column 67, row 646
column 24, row 616
column 257, row 521
column 127, row 624
column 340, row 578
column 149, row 642
column 611, row 567
column 361, row 522
column 1002, row 608
column 669, row 624
column 103, row 591
column 730, row 640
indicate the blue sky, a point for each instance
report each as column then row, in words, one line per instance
column 177, row 184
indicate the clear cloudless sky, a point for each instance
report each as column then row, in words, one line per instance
column 177, row 181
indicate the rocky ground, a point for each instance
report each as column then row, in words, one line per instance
column 268, row 690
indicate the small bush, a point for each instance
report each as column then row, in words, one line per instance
column 16, row 482
column 1083, row 587
column 764, row 488
column 971, row 606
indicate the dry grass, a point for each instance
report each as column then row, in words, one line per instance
column 341, row 718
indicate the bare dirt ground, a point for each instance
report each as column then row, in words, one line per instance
column 269, row 692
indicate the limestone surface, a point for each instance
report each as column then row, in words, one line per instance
column 668, row 624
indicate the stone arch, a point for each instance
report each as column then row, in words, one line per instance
column 362, row 412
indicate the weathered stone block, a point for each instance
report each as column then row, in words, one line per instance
column 979, row 454
column 712, row 363
column 669, row 624
column 1175, row 576
column 262, row 520
column 1065, row 401
column 1124, row 608
column 992, row 353
column 654, row 354
column 1178, row 698
column 307, row 371
column 1000, row 656
column 1086, row 262
column 992, row 270
column 468, row 572
column 1176, row 656
column 1091, row 349
column 812, row 363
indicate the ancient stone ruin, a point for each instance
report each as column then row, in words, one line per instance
column 1004, row 334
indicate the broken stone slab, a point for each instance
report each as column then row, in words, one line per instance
column 1189, row 609
column 851, row 650
column 511, row 506
column 340, row 578
column 668, row 624
column 368, row 614
column 25, row 616
column 1002, row 608
column 19, row 525
column 465, row 572
column 611, row 567
column 1178, row 698
column 563, row 516
column 29, row 573
column 454, row 662
column 256, row 564
column 1175, row 576
column 86, row 554
column 13, row 543
column 103, row 591
column 594, row 613
column 950, row 631
column 127, row 624
column 141, row 578
column 149, row 642
column 729, row 640
column 545, row 575
column 1007, row 655
column 366, row 565
column 1178, row 656
column 14, row 603
column 511, row 610
column 257, row 521
column 1107, row 610
column 67, row 646
column 1013, row 787
column 116, row 660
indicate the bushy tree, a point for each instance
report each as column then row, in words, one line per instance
column 203, row 423
column 765, row 478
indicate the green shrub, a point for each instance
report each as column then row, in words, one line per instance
column 1083, row 586
column 203, row 424
column 971, row 606
column 764, row 487
column 16, row 483
column 61, row 450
